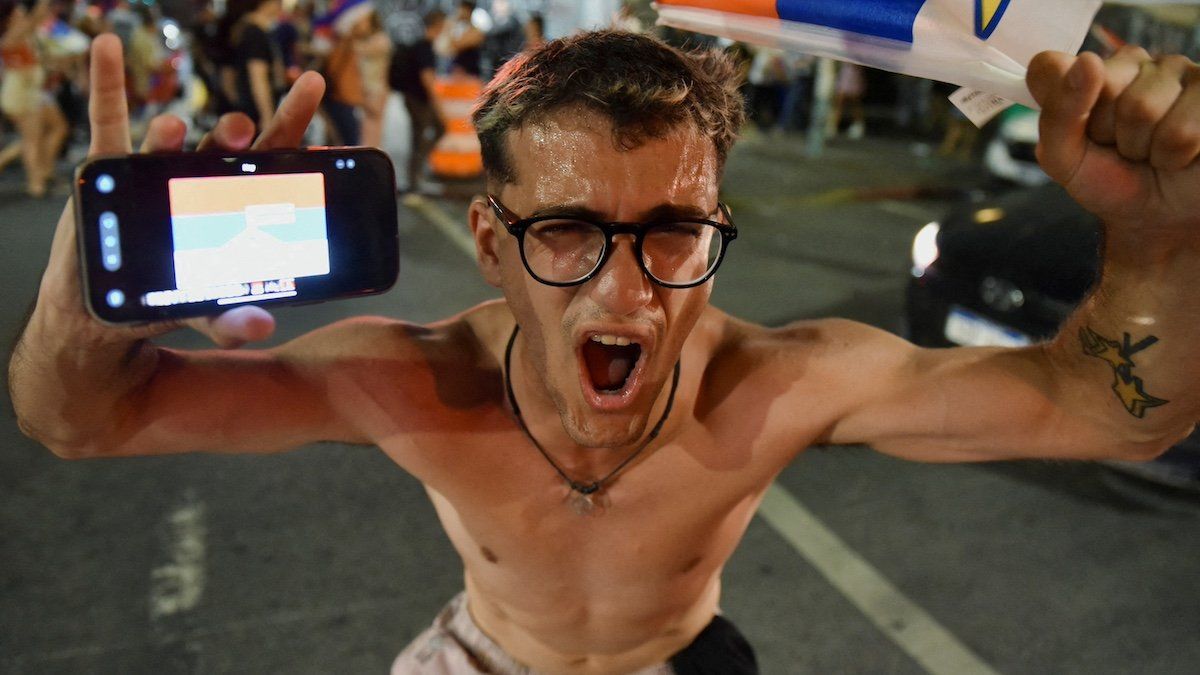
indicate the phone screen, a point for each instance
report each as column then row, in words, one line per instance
column 261, row 231
column 188, row 235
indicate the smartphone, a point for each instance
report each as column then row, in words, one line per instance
column 177, row 235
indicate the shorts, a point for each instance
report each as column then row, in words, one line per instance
column 21, row 91
column 850, row 81
column 454, row 645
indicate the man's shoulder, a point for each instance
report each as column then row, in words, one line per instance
column 810, row 373
column 732, row 335
column 807, row 346
column 463, row 338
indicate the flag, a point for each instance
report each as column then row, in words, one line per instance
column 342, row 15
column 981, row 44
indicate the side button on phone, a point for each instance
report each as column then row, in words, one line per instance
column 110, row 241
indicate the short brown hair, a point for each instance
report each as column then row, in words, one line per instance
column 646, row 87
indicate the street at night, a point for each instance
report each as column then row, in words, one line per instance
column 330, row 558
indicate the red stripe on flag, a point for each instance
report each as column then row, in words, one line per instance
column 752, row 7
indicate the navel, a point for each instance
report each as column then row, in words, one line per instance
column 488, row 555
column 692, row 564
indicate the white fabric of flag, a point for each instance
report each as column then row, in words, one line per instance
column 981, row 44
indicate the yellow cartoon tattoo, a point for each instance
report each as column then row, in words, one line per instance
column 1119, row 355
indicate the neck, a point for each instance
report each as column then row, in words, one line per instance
column 540, row 415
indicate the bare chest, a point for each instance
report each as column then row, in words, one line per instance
column 661, row 528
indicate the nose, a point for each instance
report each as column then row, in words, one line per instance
column 621, row 287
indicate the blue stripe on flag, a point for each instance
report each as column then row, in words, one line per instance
column 891, row 19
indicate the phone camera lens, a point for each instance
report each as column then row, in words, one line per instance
column 105, row 183
column 115, row 298
column 108, row 220
column 349, row 164
column 341, row 164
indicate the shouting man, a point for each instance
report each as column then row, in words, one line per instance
column 596, row 442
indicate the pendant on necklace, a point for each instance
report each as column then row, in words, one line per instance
column 592, row 504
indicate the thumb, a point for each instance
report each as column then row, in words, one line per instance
column 1067, row 88
column 236, row 327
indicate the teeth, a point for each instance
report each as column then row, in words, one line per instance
column 612, row 340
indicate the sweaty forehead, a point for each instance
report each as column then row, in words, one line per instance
column 574, row 158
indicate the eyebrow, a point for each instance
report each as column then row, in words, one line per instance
column 658, row 213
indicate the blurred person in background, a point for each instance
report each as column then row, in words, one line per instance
column 413, row 74
column 344, row 94
column 914, row 109
column 143, row 60
column 535, row 31
column 768, row 79
column 294, row 35
column 23, row 98
column 64, row 52
column 794, row 102
column 209, row 50
column 373, row 49
column 851, row 87
column 258, row 65
column 223, row 54
column 960, row 134
column 11, row 151
column 461, row 42
column 504, row 40
column 123, row 21
column 626, row 19
column 345, row 97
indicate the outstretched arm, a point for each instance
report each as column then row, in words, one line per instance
column 85, row 389
column 1123, row 137
column 1119, row 380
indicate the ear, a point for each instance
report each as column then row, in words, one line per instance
column 487, row 240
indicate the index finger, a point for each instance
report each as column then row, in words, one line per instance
column 287, row 127
column 107, row 110
column 1067, row 88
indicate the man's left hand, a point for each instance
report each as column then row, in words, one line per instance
column 1123, row 136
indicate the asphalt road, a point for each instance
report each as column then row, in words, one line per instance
column 329, row 559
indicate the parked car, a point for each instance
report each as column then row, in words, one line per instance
column 1011, row 155
column 1008, row 271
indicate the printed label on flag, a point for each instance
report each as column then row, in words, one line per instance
column 892, row 19
column 979, row 107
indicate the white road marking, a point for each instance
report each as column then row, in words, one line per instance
column 455, row 230
column 177, row 584
column 901, row 619
column 930, row 644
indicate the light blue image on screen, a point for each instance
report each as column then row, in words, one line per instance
column 269, row 240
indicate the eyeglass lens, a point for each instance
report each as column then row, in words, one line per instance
column 564, row 251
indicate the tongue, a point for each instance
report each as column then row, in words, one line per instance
column 610, row 365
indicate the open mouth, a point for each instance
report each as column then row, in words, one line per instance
column 610, row 362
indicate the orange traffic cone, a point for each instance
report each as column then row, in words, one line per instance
column 457, row 154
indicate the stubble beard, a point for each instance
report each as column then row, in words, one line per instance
column 585, row 427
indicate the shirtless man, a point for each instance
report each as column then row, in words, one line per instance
column 594, row 523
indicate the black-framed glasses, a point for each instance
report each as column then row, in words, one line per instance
column 561, row 250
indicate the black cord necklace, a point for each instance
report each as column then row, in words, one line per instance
column 584, row 498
